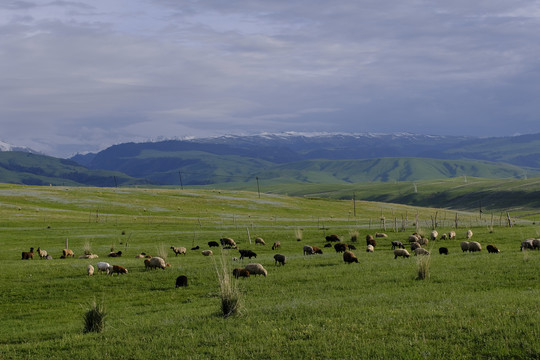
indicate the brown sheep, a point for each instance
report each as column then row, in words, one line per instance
column 349, row 257
column 259, row 241
column 227, row 242
column 27, row 255
column 401, row 253
column 371, row 242
column 276, row 245
column 397, row 244
column 114, row 254
column 333, row 238
column 238, row 273
column 67, row 253
column 381, row 235
column 317, row 250
column 340, row 247
column 117, row 269
column 492, row 249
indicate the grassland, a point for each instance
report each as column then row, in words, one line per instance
column 476, row 305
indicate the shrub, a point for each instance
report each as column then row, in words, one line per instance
column 87, row 247
column 298, row 234
column 94, row 319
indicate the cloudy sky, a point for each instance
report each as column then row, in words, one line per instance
column 81, row 75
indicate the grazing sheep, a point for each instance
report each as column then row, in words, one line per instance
column 317, row 250
column 397, row 244
column 464, row 246
column 178, row 250
column 536, row 244
column 181, row 281
column 27, row 255
column 213, row 244
column 434, row 234
column 140, row 256
column 492, row 249
column 414, row 237
column 349, row 257
column 327, row 245
column 67, row 253
column 117, row 269
column 114, row 254
column 341, row 247
column 247, row 253
column 415, row 245
column 308, row 250
column 469, row 234
column 370, row 248
column 423, row 241
column 443, row 251
column 42, row 253
column 380, row 235
column 195, row 247
column 90, row 270
column 332, row 238
column 238, row 273
column 207, row 252
column 527, row 244
column 401, row 252
column 227, row 242
column 474, row 246
column 104, row 267
column 444, row 237
column 155, row 262
column 279, row 258
column 420, row 251
column 259, row 241
column 276, row 245
column 256, row 269
column 452, row 235
column 351, row 247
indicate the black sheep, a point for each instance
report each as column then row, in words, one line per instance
column 443, row 251
column 181, row 281
column 213, row 243
column 247, row 253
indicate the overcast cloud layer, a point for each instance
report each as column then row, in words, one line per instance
column 81, row 75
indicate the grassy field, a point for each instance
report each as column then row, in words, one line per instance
column 473, row 305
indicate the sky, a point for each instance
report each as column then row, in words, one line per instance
column 81, row 75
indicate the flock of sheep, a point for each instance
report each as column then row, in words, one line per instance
column 416, row 242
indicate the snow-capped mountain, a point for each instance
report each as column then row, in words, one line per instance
column 4, row 146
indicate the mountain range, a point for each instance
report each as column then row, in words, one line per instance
column 288, row 158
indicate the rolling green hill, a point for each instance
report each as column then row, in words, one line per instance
column 32, row 169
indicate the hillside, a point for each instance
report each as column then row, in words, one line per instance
column 33, row 169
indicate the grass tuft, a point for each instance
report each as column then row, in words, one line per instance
column 162, row 252
column 231, row 299
column 87, row 247
column 94, row 319
column 422, row 266
column 298, row 234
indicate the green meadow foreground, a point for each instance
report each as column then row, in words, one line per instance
column 472, row 305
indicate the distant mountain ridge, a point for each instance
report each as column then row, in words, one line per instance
column 281, row 157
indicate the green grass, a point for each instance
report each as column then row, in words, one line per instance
column 476, row 305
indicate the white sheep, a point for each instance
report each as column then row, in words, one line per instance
column 464, row 246
column 104, row 267
column 260, row 241
column 527, row 244
column 474, row 246
column 256, row 269
column 90, row 270
column 401, row 252
column 42, row 253
column 308, row 250
column 207, row 252
column 155, row 262
column 420, row 251
column 452, row 235
column 178, row 250
column 415, row 245
column 469, row 234
column 370, row 248
column 434, row 235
